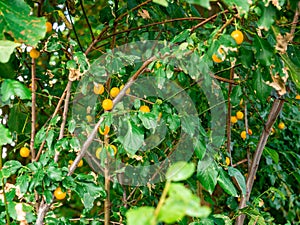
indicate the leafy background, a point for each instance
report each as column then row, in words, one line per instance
column 206, row 190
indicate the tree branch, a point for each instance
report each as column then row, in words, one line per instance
column 275, row 110
column 207, row 20
column 33, row 109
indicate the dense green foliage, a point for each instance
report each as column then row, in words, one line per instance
column 185, row 161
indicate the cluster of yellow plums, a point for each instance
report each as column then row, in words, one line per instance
column 238, row 36
column 239, row 116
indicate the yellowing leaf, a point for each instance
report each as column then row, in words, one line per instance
column 144, row 14
column 15, row 19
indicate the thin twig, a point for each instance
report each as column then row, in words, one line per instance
column 154, row 24
column 223, row 27
column 229, row 116
column 91, row 46
column 49, row 126
column 161, row 201
column 87, row 20
column 207, row 20
column 106, row 28
column 64, row 118
column 295, row 21
column 239, row 162
column 77, row 38
column 133, row 9
column 113, row 42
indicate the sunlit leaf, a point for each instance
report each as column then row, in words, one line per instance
column 5, row 135
column 240, row 179
column 180, row 171
column 6, row 49
column 203, row 3
column 225, row 182
column 207, row 174
column 11, row 88
column 162, row 2
column 140, row 216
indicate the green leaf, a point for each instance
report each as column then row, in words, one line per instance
column 54, row 173
column 273, row 153
column 267, row 16
column 23, row 182
column 173, row 122
column 161, row 2
column 172, row 211
column 134, row 139
column 293, row 69
column 246, row 55
column 189, row 123
column 71, row 125
column 240, row 179
column 82, row 61
column 255, row 217
column 200, row 148
column 236, row 94
column 10, row 167
column 263, row 51
column 160, row 76
column 140, row 216
column 225, row 182
column 40, row 137
column 55, row 120
column 16, row 20
column 48, row 196
column 6, row 49
column 149, row 120
column 194, row 209
column 262, row 90
column 180, row 202
column 205, row 221
column 8, row 70
column 71, row 64
column 12, row 209
column 19, row 112
column 203, row 3
column 11, row 88
column 241, row 6
column 53, row 44
column 37, row 179
column 207, row 174
column 180, row 171
column 179, row 191
column 5, row 136
column 226, row 219
column 88, row 190
column 49, row 139
column 182, row 36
